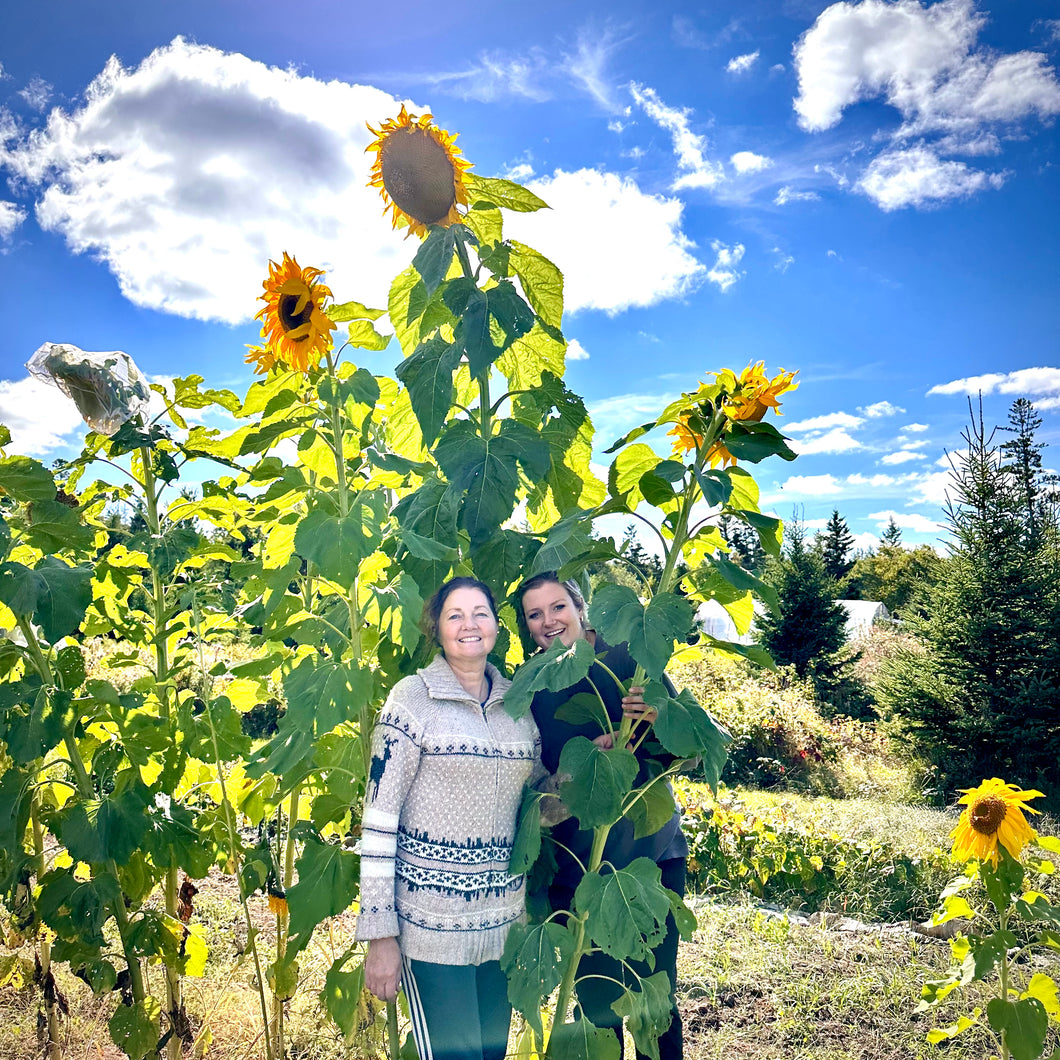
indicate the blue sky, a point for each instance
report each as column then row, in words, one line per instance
column 865, row 192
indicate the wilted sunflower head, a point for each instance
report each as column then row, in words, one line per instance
column 753, row 393
column 294, row 325
column 418, row 171
column 994, row 815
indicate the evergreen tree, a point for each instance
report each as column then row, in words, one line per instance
column 836, row 544
column 900, row 578
column 1025, row 456
column 978, row 695
column 809, row 633
column 892, row 535
column 745, row 543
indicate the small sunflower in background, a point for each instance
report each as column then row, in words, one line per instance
column 419, row 171
column 994, row 815
column 295, row 328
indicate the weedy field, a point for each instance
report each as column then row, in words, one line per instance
column 815, row 976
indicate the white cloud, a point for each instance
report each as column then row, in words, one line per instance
column 40, row 416
column 689, row 147
column 909, row 443
column 915, row 428
column 783, row 260
column 879, row 409
column 187, row 173
column 953, row 457
column 11, row 216
column 496, row 76
column 916, row 176
column 37, row 93
column 1044, row 404
column 587, row 67
column 875, row 481
column 811, row 485
column 1030, row 381
column 638, row 235
column 740, row 64
column 576, row 351
column 932, row 488
column 918, row 524
column 749, row 162
column 520, row 172
column 923, row 60
column 725, row 272
column 788, row 194
column 835, row 441
column 903, row 456
column 825, row 422
column 612, row 417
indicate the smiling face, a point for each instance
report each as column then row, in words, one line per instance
column 550, row 613
column 466, row 627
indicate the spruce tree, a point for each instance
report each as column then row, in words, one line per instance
column 836, row 545
column 978, row 694
column 892, row 534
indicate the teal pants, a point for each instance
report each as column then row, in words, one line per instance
column 459, row 1012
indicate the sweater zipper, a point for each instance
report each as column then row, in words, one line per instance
column 496, row 771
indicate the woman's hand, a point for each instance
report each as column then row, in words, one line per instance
column 382, row 968
column 634, row 707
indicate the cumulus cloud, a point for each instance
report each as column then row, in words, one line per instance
column 811, row 485
column 933, row 488
column 740, row 64
column 903, row 456
column 918, row 524
column 825, row 422
column 11, row 216
column 1029, row 381
column 638, row 235
column 916, row 176
column 788, row 194
column 576, row 351
column 926, row 62
column 879, row 409
column 696, row 169
column 834, row 441
column 725, row 270
column 187, row 173
column 749, row 162
column 41, row 417
column 915, row 428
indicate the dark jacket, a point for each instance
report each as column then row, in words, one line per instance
column 622, row 848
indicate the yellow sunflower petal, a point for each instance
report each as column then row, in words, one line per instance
column 295, row 328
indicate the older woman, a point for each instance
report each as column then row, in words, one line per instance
column 549, row 609
column 447, row 772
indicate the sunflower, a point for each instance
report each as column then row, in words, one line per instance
column 994, row 815
column 277, row 903
column 754, row 393
column 261, row 357
column 294, row 325
column 418, row 171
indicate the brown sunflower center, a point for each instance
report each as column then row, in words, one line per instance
column 987, row 814
column 291, row 317
column 418, row 175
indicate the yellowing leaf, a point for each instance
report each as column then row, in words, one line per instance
column 1043, row 987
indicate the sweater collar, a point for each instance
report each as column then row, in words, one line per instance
column 442, row 683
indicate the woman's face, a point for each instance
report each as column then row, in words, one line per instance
column 466, row 627
column 550, row 613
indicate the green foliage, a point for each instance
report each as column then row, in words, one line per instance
column 836, row 544
column 901, row 578
column 976, row 691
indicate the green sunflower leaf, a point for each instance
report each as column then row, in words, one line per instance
column 134, row 1029
column 428, row 374
column 541, row 280
column 327, row 883
column 1025, row 1025
column 617, row 613
column 26, row 479
column 534, row 959
column 582, row 1040
column 647, row 1012
column 504, row 193
column 600, row 780
column 627, row 908
column 555, row 669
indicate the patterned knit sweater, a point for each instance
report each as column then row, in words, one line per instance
column 444, row 788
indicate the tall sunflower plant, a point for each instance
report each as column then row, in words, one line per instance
column 681, row 499
column 1004, row 923
column 103, row 770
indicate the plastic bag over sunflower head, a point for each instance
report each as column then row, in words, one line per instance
column 107, row 388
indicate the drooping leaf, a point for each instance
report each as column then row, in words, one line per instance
column 95, row 830
column 1025, row 1025
column 542, row 282
column 53, row 526
column 600, row 780
column 744, row 580
column 686, row 730
column 514, row 316
column 647, row 1012
column 26, row 479
column 344, row 311
column 756, row 441
column 534, row 959
column 652, row 810
column 428, row 374
column 527, row 843
column 617, row 613
column 435, row 255
column 555, row 669
column 327, row 883
column 218, row 722
column 627, row 908
column 134, row 1028
column 63, row 595
column 504, row 559
column 341, row 996
column 582, row 1040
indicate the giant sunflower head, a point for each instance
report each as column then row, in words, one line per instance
column 293, row 323
column 994, row 815
column 419, row 171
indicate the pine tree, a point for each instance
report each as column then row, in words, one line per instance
column 836, row 544
column 809, row 633
column 892, row 535
column 1025, row 454
column 978, row 695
